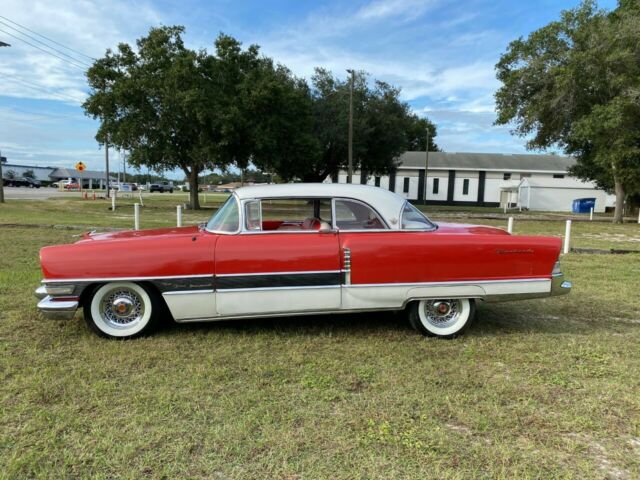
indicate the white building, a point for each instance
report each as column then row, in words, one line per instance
column 486, row 179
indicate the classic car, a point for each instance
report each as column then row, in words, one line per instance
column 297, row 249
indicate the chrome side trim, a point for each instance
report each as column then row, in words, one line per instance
column 457, row 282
column 187, row 292
column 275, row 273
column 264, row 289
column 121, row 279
column 347, row 265
column 281, row 314
column 64, row 310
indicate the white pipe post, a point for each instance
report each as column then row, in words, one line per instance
column 639, row 215
column 136, row 216
column 113, row 200
column 567, row 236
column 591, row 214
column 179, row 214
column 510, row 225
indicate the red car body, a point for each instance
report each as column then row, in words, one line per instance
column 279, row 267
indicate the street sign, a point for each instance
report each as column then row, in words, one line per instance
column 81, row 167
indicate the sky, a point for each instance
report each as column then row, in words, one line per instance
column 441, row 53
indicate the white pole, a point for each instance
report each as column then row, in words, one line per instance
column 510, row 225
column 591, row 214
column 113, row 200
column 567, row 236
column 639, row 215
column 136, row 216
column 179, row 213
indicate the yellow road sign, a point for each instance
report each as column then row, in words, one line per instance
column 81, row 167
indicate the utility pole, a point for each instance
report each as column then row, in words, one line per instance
column 426, row 168
column 1, row 181
column 106, row 160
column 2, row 44
column 350, row 171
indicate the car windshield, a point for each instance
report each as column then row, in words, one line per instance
column 414, row 219
column 226, row 219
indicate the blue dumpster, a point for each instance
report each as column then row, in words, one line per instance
column 583, row 205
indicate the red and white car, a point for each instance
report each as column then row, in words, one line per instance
column 297, row 249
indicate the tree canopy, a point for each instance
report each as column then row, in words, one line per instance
column 172, row 107
column 383, row 128
column 575, row 83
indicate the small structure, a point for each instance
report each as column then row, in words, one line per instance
column 546, row 194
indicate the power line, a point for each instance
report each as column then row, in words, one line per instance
column 40, row 87
column 81, row 62
column 83, row 68
column 47, row 38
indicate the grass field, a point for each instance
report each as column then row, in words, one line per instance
column 538, row 389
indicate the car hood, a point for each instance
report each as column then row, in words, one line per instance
column 469, row 229
column 131, row 234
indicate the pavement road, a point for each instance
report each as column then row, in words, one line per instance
column 43, row 193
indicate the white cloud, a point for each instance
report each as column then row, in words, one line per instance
column 88, row 26
column 383, row 9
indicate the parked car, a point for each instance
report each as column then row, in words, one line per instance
column 21, row 182
column 298, row 249
column 161, row 187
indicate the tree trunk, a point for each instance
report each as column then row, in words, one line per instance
column 194, row 198
column 620, row 197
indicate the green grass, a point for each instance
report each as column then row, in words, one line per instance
column 538, row 389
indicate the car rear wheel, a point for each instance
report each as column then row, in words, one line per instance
column 443, row 318
column 122, row 310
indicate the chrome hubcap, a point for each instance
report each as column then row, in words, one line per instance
column 442, row 313
column 122, row 308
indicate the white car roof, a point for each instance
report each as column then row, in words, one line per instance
column 386, row 203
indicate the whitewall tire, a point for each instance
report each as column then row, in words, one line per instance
column 443, row 318
column 122, row 310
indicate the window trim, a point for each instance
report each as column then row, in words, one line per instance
column 465, row 186
column 435, row 186
column 406, row 184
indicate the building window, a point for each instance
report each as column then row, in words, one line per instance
column 506, row 176
column 558, row 175
column 405, row 188
column 436, row 185
column 377, row 181
column 465, row 186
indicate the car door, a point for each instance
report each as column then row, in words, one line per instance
column 270, row 272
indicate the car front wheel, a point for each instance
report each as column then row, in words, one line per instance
column 443, row 318
column 122, row 310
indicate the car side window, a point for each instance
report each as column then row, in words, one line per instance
column 227, row 218
column 352, row 215
column 253, row 215
column 414, row 219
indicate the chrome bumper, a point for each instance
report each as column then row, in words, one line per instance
column 56, row 309
column 559, row 286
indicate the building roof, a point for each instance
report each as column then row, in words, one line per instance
column 60, row 173
column 487, row 161
column 387, row 203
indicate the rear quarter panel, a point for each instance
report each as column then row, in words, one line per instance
column 416, row 257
